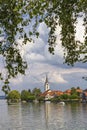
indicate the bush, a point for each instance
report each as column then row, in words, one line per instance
column 24, row 95
column 31, row 97
column 64, row 96
column 74, row 96
column 41, row 98
column 36, row 92
column 55, row 99
column 27, row 96
column 14, row 96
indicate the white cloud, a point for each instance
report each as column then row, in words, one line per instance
column 59, row 51
column 80, row 29
column 41, row 69
column 16, row 81
column 43, row 29
column 73, row 70
column 35, row 57
column 57, row 78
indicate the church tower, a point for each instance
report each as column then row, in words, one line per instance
column 46, row 86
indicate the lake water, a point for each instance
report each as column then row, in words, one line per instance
column 44, row 116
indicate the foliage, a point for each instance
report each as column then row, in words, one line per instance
column 24, row 95
column 36, row 92
column 16, row 16
column 14, row 96
column 29, row 90
column 31, row 98
column 56, row 99
column 73, row 91
column 27, row 96
column 40, row 98
column 78, row 87
column 74, row 96
column 64, row 96
column 6, row 89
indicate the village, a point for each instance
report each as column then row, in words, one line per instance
column 68, row 95
column 74, row 94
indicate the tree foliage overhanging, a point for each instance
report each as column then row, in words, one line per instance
column 15, row 15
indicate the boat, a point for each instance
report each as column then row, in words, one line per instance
column 63, row 103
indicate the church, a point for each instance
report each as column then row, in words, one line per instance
column 48, row 93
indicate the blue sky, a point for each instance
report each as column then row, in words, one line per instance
column 41, row 62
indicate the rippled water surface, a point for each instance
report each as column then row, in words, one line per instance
column 44, row 116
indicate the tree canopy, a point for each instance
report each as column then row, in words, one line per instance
column 27, row 96
column 16, row 15
column 36, row 92
column 14, row 96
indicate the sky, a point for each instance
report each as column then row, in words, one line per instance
column 41, row 62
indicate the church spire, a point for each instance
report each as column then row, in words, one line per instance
column 46, row 79
column 47, row 87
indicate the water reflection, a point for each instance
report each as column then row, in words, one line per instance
column 44, row 116
column 3, row 115
column 32, row 116
column 15, row 117
column 76, row 116
column 54, row 114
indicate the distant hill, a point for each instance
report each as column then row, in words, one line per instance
column 2, row 97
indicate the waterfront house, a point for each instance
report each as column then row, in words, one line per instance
column 69, row 91
column 49, row 94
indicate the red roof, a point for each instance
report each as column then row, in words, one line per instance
column 79, row 90
column 52, row 93
column 68, row 91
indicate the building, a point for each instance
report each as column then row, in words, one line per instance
column 68, row 92
column 48, row 93
column 46, row 85
column 47, row 90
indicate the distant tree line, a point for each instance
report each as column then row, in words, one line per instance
column 73, row 96
column 25, row 95
column 36, row 94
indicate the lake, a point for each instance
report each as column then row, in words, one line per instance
column 43, row 116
